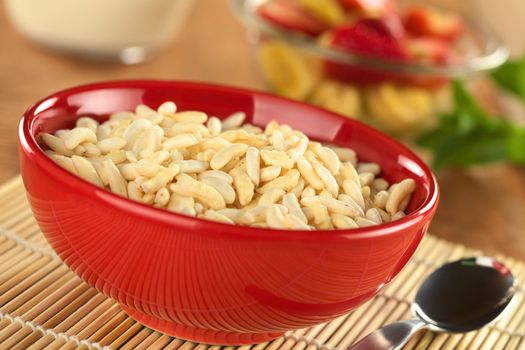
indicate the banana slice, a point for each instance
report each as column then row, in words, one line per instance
column 287, row 71
column 325, row 39
column 336, row 97
column 400, row 109
column 327, row 11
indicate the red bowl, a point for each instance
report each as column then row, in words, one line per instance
column 206, row 281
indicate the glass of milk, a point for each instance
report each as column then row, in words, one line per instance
column 117, row 30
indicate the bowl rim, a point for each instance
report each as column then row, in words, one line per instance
column 29, row 145
column 495, row 52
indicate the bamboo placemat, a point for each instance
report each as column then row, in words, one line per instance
column 43, row 305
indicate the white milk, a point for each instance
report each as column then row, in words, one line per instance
column 107, row 29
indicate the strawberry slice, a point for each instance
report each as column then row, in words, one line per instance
column 371, row 7
column 426, row 21
column 389, row 25
column 288, row 15
column 430, row 51
column 369, row 37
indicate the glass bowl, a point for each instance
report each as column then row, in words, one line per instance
column 406, row 96
column 207, row 281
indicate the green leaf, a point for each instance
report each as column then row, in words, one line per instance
column 511, row 77
column 516, row 146
column 467, row 109
column 473, row 148
column 469, row 135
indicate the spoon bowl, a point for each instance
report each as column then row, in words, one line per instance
column 477, row 291
column 459, row 297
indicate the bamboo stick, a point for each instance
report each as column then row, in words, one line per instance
column 17, row 267
column 56, row 321
column 44, row 311
column 147, row 344
column 11, row 185
column 175, row 344
column 128, row 334
column 90, row 314
column 161, row 342
column 87, row 331
column 133, row 342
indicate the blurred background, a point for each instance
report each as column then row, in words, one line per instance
column 48, row 45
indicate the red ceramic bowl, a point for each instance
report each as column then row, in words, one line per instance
column 207, row 281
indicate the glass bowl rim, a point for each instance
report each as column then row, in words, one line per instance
column 495, row 53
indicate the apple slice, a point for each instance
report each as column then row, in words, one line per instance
column 426, row 21
column 288, row 15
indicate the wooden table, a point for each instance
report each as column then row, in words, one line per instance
column 482, row 207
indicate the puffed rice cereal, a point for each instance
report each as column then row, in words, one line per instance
column 228, row 171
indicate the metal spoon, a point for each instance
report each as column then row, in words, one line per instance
column 458, row 297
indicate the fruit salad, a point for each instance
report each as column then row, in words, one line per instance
column 370, row 44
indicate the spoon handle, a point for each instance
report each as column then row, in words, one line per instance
column 390, row 337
